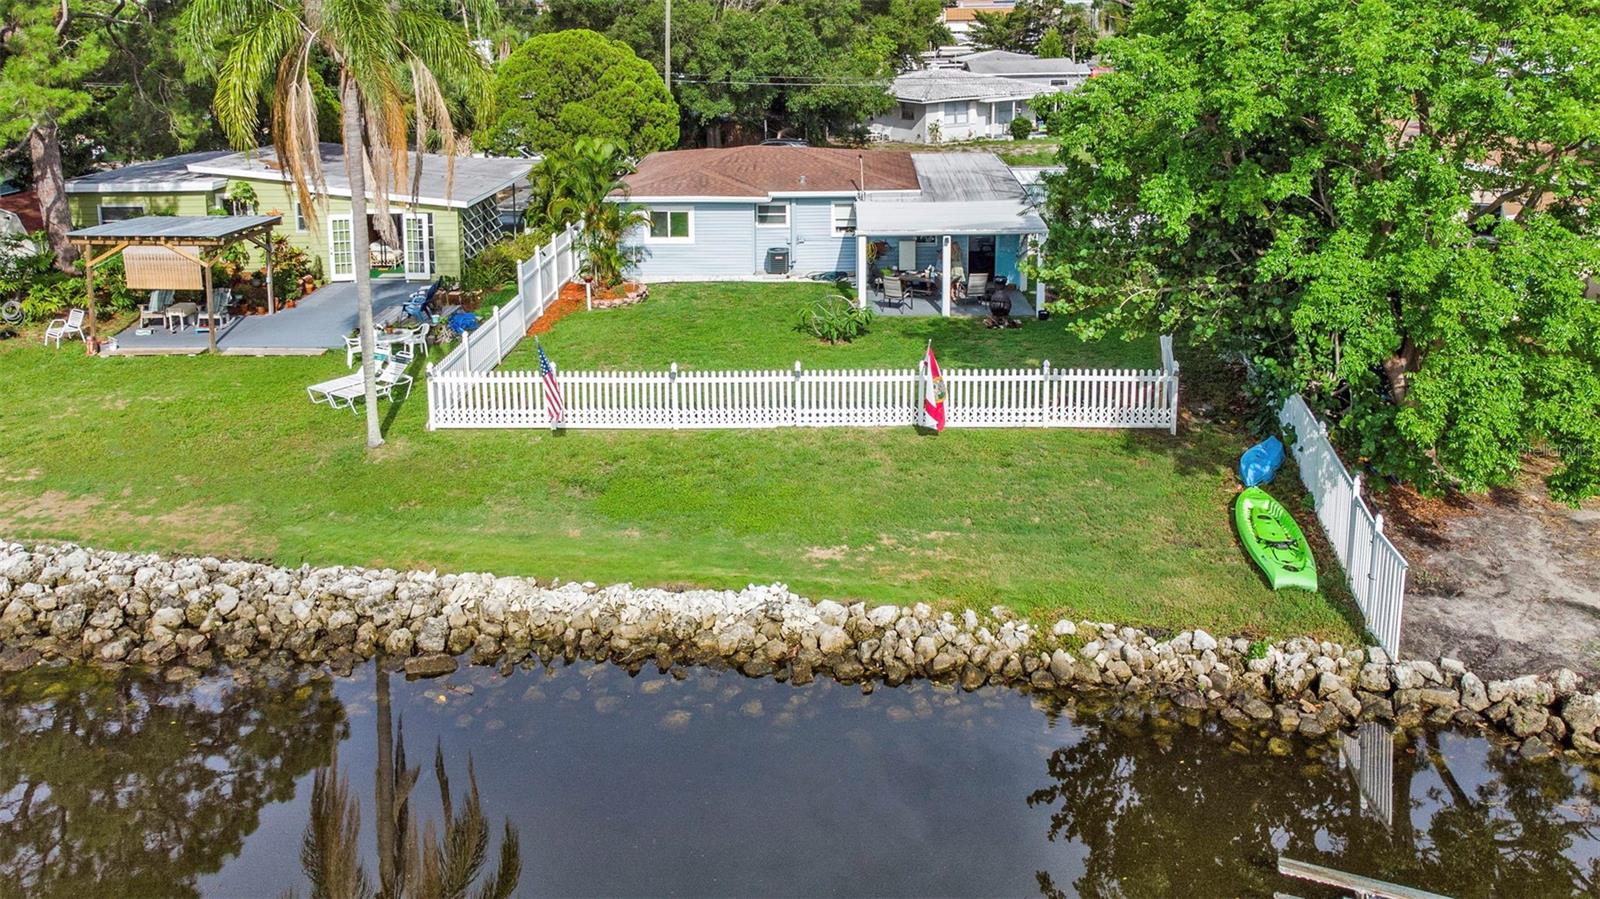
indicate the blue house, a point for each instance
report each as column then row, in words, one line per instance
column 755, row 213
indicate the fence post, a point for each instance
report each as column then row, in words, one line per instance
column 672, row 393
column 1044, row 393
column 498, row 342
column 428, row 375
column 466, row 344
column 1350, row 540
column 794, row 395
column 1172, row 384
column 1372, row 578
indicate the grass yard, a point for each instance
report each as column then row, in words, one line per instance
column 225, row 455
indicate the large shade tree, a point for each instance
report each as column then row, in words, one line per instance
column 48, row 50
column 1388, row 205
column 566, row 85
column 392, row 58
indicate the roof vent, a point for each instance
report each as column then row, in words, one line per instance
column 802, row 179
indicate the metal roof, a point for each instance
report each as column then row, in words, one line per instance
column 912, row 218
column 458, row 181
column 194, row 229
column 972, row 176
column 1007, row 62
column 937, row 85
column 168, row 175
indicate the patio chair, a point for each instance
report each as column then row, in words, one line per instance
column 894, row 293
column 977, row 286
column 70, row 326
column 222, row 299
column 156, row 309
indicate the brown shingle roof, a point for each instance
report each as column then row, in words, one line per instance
column 761, row 171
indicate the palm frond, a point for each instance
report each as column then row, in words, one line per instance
column 329, row 850
column 255, row 54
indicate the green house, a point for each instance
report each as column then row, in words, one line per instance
column 450, row 208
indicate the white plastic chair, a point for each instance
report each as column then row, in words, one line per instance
column 70, row 326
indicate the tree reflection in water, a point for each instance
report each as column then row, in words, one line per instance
column 1160, row 814
column 433, row 865
column 114, row 784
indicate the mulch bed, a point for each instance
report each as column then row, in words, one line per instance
column 570, row 300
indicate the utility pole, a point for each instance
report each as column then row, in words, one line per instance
column 667, row 53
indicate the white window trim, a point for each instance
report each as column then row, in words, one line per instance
column 786, row 213
column 299, row 217
column 100, row 210
column 833, row 219
column 689, row 238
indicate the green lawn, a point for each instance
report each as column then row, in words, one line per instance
column 225, row 455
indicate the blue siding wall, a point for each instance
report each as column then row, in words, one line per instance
column 1005, row 257
column 815, row 247
column 723, row 245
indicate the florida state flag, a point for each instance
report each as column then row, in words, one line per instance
column 932, row 393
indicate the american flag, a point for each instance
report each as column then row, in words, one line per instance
column 552, row 390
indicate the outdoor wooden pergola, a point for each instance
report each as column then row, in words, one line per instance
column 178, row 234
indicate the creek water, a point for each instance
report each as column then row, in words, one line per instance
column 710, row 783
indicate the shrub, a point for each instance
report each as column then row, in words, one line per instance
column 835, row 320
column 497, row 264
column 51, row 297
column 1021, row 128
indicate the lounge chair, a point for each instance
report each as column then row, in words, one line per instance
column 389, row 379
column 894, row 293
column 70, row 326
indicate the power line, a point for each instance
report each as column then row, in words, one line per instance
column 771, row 81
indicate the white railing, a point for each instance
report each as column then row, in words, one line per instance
column 1374, row 569
column 1043, row 397
column 539, row 281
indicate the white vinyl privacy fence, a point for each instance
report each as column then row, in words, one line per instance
column 1041, row 397
column 1374, row 569
column 539, row 281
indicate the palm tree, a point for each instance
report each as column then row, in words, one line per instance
column 389, row 55
column 581, row 182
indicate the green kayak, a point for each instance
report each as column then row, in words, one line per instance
column 1274, row 540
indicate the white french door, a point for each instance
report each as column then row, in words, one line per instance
column 417, row 229
column 341, row 249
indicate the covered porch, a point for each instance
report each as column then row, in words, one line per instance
column 920, row 257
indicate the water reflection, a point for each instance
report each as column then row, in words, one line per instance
column 122, row 786
column 584, row 780
column 440, row 864
column 1167, row 814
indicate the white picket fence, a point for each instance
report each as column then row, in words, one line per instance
column 1043, row 397
column 539, row 281
column 1374, row 569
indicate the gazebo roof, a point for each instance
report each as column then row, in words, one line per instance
column 193, row 230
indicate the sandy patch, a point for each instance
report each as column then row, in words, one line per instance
column 1508, row 582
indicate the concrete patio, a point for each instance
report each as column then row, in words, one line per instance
column 1021, row 306
column 316, row 324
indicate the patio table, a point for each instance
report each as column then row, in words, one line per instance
column 182, row 312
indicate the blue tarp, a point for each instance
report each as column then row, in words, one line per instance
column 1260, row 463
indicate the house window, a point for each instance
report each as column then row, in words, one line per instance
column 671, row 224
column 772, row 215
column 956, row 112
column 844, row 219
column 299, row 217
column 119, row 213
column 908, row 112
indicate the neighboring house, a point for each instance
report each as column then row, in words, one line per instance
column 447, row 214
column 731, row 214
column 937, row 105
column 1063, row 74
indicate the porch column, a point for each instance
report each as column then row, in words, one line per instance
column 272, row 298
column 1022, row 270
column 944, row 277
column 863, row 270
column 1038, row 285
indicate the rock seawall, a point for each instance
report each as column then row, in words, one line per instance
column 64, row 601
